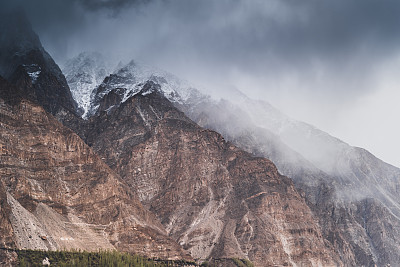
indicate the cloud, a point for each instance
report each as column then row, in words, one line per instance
column 254, row 34
column 311, row 58
column 113, row 5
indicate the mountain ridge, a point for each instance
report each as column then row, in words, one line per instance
column 178, row 159
column 261, row 129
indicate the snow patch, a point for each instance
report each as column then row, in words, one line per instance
column 109, row 109
column 34, row 75
column 33, row 70
column 134, row 75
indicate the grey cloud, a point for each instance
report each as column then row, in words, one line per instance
column 321, row 46
column 320, row 41
column 113, row 5
column 320, row 54
column 291, row 30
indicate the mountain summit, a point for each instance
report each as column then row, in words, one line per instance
column 25, row 63
column 89, row 82
column 84, row 74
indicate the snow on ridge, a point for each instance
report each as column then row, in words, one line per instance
column 134, row 75
column 90, row 78
column 175, row 89
column 84, row 73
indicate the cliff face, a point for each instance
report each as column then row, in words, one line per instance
column 58, row 194
column 213, row 198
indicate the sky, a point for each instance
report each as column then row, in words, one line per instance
column 334, row 64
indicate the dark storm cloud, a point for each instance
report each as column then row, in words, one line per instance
column 309, row 43
column 114, row 5
column 292, row 30
column 321, row 54
column 68, row 16
column 91, row 5
column 337, row 38
column 315, row 45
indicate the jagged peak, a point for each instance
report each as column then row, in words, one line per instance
column 88, row 92
column 21, row 49
column 150, row 87
column 84, row 73
column 114, row 98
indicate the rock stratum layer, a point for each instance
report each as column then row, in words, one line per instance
column 56, row 193
column 213, row 198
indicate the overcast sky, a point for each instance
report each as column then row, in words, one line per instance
column 334, row 64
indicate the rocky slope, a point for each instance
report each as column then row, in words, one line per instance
column 214, row 199
column 58, row 194
column 6, row 230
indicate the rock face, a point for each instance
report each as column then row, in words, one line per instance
column 56, row 193
column 213, row 198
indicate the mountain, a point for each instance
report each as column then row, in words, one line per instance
column 145, row 171
column 214, row 199
column 25, row 63
column 56, row 193
column 89, row 83
column 354, row 195
column 84, row 74
column 363, row 191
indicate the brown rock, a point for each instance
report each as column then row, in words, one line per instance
column 58, row 188
column 213, row 198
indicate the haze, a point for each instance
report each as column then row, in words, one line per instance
column 334, row 64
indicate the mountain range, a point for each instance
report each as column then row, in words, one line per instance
column 133, row 158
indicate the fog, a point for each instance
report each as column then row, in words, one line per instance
column 334, row 64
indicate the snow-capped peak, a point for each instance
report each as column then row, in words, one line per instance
column 90, row 78
column 132, row 76
column 84, row 74
column 175, row 89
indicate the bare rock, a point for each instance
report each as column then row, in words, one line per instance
column 59, row 188
column 213, row 198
